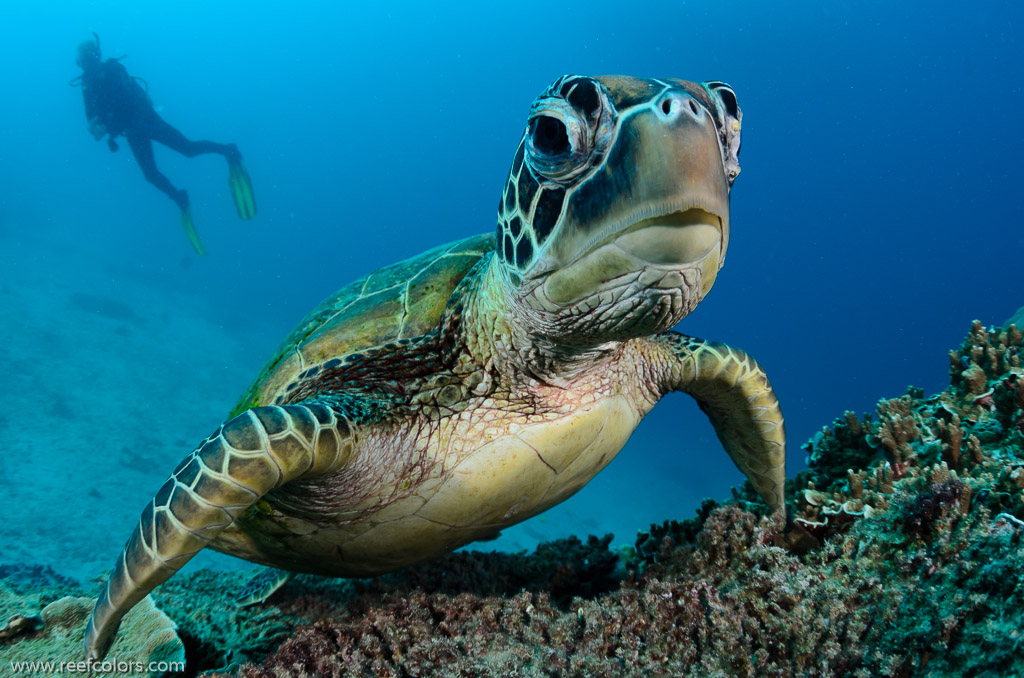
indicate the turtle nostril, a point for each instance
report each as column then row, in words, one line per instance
column 693, row 107
column 666, row 106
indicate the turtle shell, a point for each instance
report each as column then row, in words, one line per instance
column 400, row 301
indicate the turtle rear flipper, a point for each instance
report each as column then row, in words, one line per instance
column 262, row 586
column 251, row 454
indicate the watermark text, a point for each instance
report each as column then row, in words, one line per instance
column 111, row 666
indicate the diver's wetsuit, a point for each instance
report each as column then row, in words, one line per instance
column 122, row 107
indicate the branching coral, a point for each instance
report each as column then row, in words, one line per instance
column 897, row 428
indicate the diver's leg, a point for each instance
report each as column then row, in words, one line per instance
column 238, row 179
column 163, row 132
column 142, row 149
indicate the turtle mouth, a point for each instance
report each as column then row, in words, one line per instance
column 688, row 239
column 681, row 237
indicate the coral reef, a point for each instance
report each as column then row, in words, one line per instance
column 903, row 555
column 147, row 636
column 24, row 591
column 219, row 635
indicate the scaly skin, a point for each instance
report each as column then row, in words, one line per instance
column 533, row 365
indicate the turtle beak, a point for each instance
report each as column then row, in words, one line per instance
column 681, row 237
column 691, row 239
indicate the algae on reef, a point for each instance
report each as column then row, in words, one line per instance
column 903, row 556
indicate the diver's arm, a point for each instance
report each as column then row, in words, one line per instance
column 96, row 128
column 89, row 96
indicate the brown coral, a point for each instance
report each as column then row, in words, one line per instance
column 897, row 428
column 952, row 437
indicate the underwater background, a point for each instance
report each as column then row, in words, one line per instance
column 877, row 214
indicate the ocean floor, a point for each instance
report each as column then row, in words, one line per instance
column 111, row 377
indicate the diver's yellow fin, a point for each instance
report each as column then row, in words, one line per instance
column 241, row 191
column 190, row 231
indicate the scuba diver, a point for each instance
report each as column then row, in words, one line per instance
column 116, row 104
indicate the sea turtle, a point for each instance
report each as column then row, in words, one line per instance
column 438, row 400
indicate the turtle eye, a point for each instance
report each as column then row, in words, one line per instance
column 549, row 137
column 569, row 128
column 556, row 141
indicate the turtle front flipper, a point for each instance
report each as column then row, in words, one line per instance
column 733, row 390
column 251, row 454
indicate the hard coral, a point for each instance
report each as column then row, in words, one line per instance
column 147, row 636
column 218, row 634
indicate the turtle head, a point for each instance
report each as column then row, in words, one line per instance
column 614, row 220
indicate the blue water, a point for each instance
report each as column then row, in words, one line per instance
column 877, row 214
